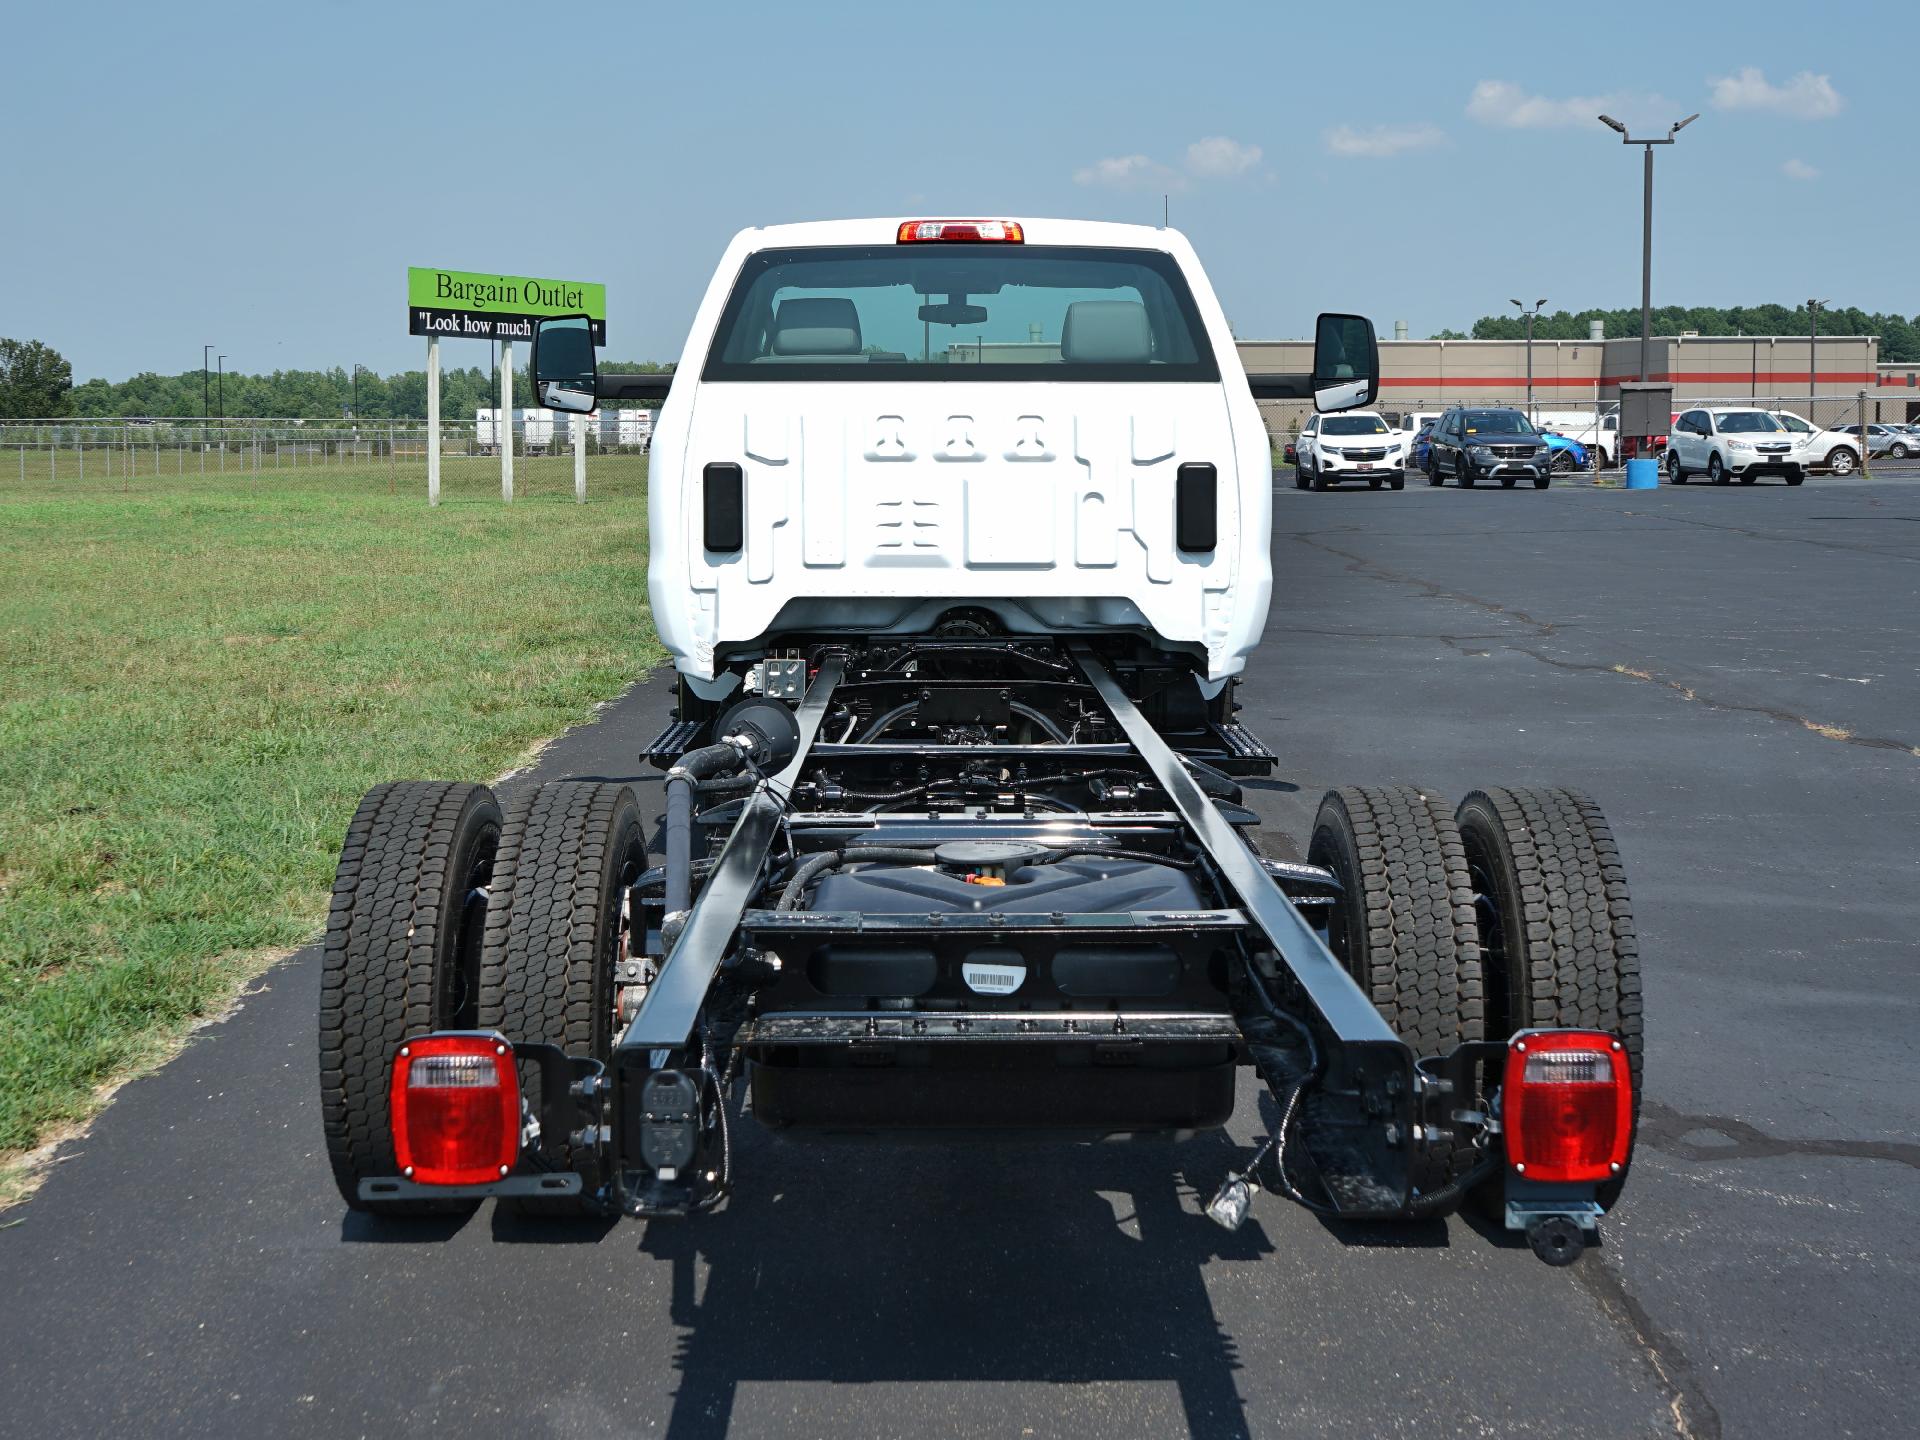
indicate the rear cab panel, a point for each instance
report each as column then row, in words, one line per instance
column 873, row 505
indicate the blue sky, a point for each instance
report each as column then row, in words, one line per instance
column 260, row 175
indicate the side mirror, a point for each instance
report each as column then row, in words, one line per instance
column 565, row 376
column 1346, row 363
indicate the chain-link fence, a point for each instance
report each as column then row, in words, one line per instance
column 75, row 456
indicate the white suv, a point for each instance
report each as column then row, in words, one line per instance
column 1724, row 444
column 1358, row 445
column 1819, row 449
column 898, row 427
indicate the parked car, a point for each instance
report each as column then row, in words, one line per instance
column 1885, row 440
column 1357, row 445
column 1422, row 444
column 1726, row 444
column 1565, row 453
column 1473, row 444
column 1599, row 434
column 1820, row 449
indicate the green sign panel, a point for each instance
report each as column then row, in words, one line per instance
column 469, row 305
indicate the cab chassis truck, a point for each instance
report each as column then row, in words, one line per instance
column 952, row 834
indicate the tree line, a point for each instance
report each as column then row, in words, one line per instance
column 36, row 382
column 1899, row 335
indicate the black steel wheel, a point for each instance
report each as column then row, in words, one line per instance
column 1404, row 926
column 401, row 957
column 1554, row 920
column 556, row 931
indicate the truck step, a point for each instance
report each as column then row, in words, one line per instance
column 1244, row 752
column 671, row 743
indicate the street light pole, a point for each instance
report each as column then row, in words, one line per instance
column 1813, row 361
column 1530, row 314
column 1646, row 233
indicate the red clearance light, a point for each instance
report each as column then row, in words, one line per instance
column 965, row 232
column 1567, row 1105
column 454, row 1104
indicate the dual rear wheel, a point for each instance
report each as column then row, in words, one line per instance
column 1509, row 912
column 450, row 913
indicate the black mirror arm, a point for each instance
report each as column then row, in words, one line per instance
column 652, row 385
column 1281, row 387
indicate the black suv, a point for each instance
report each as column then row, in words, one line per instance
column 1470, row 444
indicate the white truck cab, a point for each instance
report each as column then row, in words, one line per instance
column 878, row 423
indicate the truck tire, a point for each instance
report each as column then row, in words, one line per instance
column 1555, row 923
column 1404, row 926
column 568, row 851
column 401, row 957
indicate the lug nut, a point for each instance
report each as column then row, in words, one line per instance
column 1519, row 1169
column 408, row 1172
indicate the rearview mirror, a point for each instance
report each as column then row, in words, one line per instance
column 565, row 376
column 953, row 314
column 1346, row 363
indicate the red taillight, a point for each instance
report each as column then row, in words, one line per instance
column 1567, row 1105
column 455, row 1108
column 964, row 232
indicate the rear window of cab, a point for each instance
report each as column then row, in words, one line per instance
column 960, row 312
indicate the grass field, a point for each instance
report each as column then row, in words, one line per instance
column 199, row 677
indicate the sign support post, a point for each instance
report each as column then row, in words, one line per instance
column 433, row 419
column 579, row 424
column 504, row 431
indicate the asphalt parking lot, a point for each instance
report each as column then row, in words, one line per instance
column 1733, row 673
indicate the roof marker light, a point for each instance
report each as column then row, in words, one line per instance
column 962, row 232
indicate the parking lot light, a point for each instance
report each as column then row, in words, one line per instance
column 1646, row 231
column 1530, row 314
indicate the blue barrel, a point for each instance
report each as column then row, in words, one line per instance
column 1643, row 474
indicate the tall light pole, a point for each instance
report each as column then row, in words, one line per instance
column 1646, row 232
column 1813, row 361
column 1530, row 314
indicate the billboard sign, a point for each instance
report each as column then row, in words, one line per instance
column 468, row 305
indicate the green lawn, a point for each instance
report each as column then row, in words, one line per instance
column 199, row 677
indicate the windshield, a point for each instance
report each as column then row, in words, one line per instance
column 1496, row 422
column 1354, row 425
column 1745, row 422
column 975, row 312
